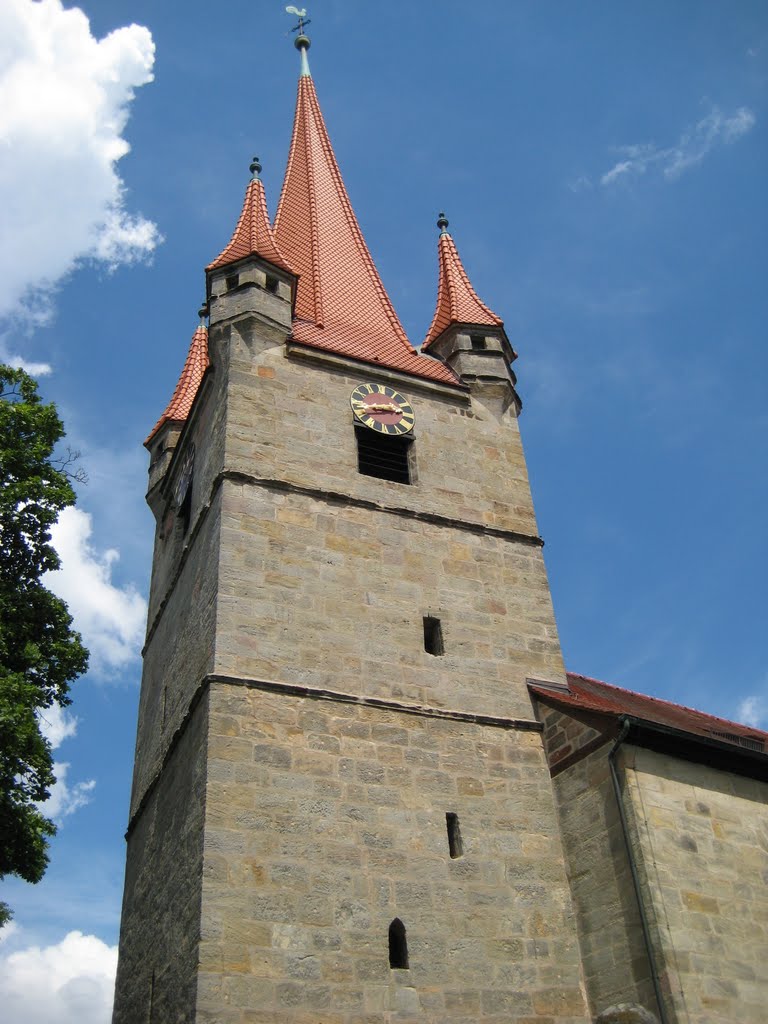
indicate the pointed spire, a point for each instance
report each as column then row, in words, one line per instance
column 341, row 304
column 253, row 234
column 457, row 300
column 195, row 366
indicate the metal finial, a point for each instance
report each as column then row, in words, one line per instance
column 255, row 167
column 203, row 312
column 301, row 42
column 442, row 223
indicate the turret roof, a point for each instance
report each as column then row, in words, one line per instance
column 341, row 304
column 252, row 234
column 457, row 300
column 195, row 366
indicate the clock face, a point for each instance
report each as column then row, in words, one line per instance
column 382, row 409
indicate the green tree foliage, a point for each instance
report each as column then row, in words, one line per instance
column 40, row 653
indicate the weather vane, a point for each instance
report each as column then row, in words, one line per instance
column 301, row 14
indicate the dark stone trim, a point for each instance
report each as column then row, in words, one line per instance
column 338, row 498
column 331, row 498
column 315, row 693
column 173, row 743
column 338, row 697
column 329, row 357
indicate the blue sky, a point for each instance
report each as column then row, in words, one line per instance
column 603, row 168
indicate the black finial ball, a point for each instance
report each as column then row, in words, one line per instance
column 442, row 221
column 203, row 311
column 255, row 167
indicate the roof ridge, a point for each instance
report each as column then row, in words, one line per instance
column 665, row 702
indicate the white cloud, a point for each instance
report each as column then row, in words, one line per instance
column 693, row 145
column 57, row 725
column 64, row 103
column 72, row 981
column 111, row 618
column 8, row 931
column 65, row 799
column 19, row 363
column 753, row 710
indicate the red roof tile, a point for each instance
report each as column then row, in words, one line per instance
column 587, row 694
column 341, row 304
column 253, row 234
column 195, row 366
column 457, row 300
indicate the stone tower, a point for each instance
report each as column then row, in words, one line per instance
column 341, row 810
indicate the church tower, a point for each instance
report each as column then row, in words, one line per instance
column 342, row 811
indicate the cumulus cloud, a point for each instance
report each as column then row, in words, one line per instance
column 70, row 981
column 110, row 617
column 716, row 129
column 57, row 725
column 65, row 799
column 64, row 104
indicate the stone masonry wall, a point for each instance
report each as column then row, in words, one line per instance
column 179, row 653
column 615, row 963
column 290, row 418
column 703, row 840
column 160, row 927
column 327, row 820
column 315, row 593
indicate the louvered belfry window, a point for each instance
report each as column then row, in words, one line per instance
column 383, row 455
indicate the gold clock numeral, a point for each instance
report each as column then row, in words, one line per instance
column 391, row 403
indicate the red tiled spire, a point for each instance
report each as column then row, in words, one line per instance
column 253, row 234
column 195, row 366
column 341, row 304
column 457, row 300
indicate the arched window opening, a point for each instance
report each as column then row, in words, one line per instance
column 398, row 946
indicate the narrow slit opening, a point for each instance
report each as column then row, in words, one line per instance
column 232, row 282
column 433, row 636
column 455, row 845
column 272, row 284
column 398, row 946
column 185, row 510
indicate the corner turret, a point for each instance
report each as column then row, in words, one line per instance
column 164, row 436
column 251, row 275
column 467, row 336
